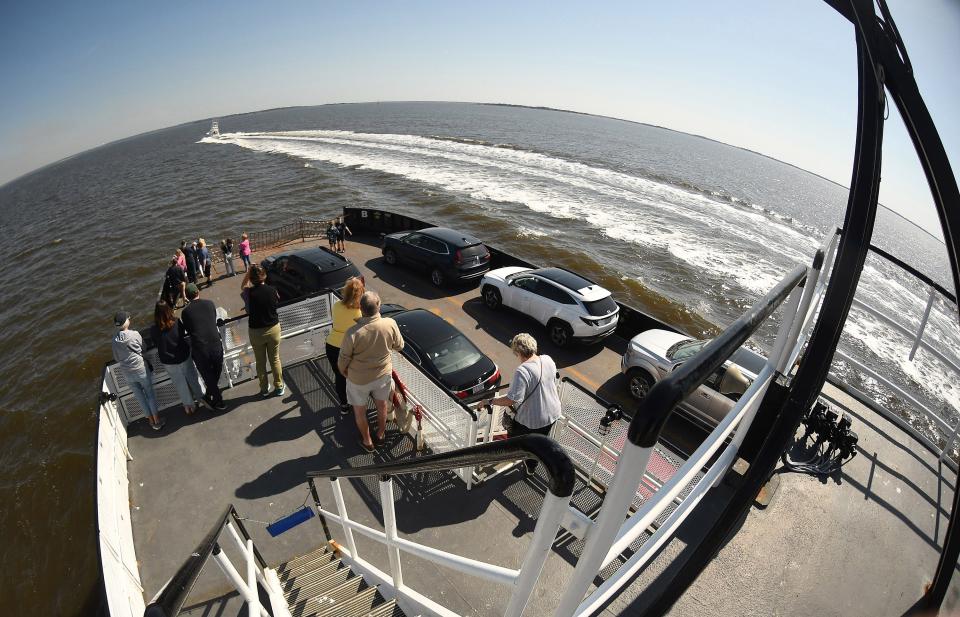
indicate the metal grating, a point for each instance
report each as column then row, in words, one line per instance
column 448, row 427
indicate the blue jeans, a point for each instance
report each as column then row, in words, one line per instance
column 142, row 388
column 184, row 377
column 228, row 263
column 246, row 262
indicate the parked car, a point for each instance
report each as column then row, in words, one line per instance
column 654, row 354
column 444, row 352
column 449, row 256
column 571, row 307
column 298, row 273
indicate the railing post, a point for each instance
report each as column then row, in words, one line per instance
column 253, row 602
column 953, row 438
column 390, row 529
column 782, row 346
column 234, row 577
column 623, row 487
column 342, row 511
column 923, row 324
column 316, row 502
column 548, row 524
column 471, row 441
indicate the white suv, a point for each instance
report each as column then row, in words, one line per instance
column 654, row 354
column 571, row 307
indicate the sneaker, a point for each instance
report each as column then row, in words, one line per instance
column 280, row 391
column 265, row 393
column 220, row 406
column 346, row 410
column 159, row 425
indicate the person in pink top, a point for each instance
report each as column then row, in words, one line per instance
column 181, row 260
column 245, row 251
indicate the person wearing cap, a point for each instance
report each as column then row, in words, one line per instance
column 128, row 352
column 200, row 321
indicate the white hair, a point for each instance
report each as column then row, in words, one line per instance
column 524, row 344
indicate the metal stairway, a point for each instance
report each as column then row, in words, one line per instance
column 318, row 584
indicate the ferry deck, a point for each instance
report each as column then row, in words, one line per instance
column 861, row 542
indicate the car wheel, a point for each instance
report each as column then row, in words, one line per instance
column 491, row 297
column 639, row 382
column 436, row 277
column 390, row 256
column 560, row 333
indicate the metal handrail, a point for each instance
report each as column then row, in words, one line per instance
column 665, row 395
column 554, row 458
column 171, row 599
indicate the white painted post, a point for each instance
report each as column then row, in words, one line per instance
column 253, row 600
column 548, row 524
column 390, row 529
column 234, row 577
column 471, row 441
column 781, row 348
column 923, row 324
column 623, row 487
column 946, row 449
column 342, row 511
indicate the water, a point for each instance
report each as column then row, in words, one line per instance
column 690, row 230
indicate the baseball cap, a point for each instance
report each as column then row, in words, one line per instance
column 192, row 290
column 120, row 318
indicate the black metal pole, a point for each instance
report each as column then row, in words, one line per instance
column 851, row 253
column 316, row 502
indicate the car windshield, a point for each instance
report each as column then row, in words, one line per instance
column 601, row 307
column 453, row 355
column 684, row 349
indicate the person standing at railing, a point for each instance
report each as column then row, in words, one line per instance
column 190, row 254
column 226, row 247
column 332, row 234
column 342, row 231
column 245, row 251
column 181, row 259
column 533, row 396
column 173, row 349
column 203, row 258
column 174, row 284
column 200, row 321
column 346, row 313
column 128, row 352
column 264, row 330
column 366, row 363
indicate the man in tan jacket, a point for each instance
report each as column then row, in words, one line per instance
column 365, row 362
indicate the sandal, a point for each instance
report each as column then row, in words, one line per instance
column 366, row 448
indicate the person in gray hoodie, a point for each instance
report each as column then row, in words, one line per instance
column 128, row 352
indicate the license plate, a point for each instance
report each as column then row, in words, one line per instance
column 476, row 388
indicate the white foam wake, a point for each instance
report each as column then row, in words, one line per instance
column 622, row 206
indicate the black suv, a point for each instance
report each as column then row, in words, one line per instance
column 299, row 273
column 446, row 254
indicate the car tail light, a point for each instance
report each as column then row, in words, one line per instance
column 589, row 322
column 458, row 258
column 462, row 394
column 495, row 376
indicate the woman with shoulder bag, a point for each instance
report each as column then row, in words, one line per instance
column 533, row 393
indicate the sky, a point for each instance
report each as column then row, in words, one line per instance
column 775, row 77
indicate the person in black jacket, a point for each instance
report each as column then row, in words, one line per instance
column 200, row 321
column 174, row 283
column 264, row 330
column 173, row 349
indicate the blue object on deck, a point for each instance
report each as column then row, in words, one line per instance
column 289, row 521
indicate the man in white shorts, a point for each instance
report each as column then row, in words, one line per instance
column 365, row 362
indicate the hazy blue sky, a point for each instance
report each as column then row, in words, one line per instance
column 775, row 77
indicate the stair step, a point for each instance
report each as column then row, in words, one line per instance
column 310, row 576
column 322, row 550
column 387, row 609
column 330, row 598
column 356, row 606
column 285, row 573
column 318, row 587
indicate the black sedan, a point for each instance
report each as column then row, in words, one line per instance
column 445, row 353
column 299, row 273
